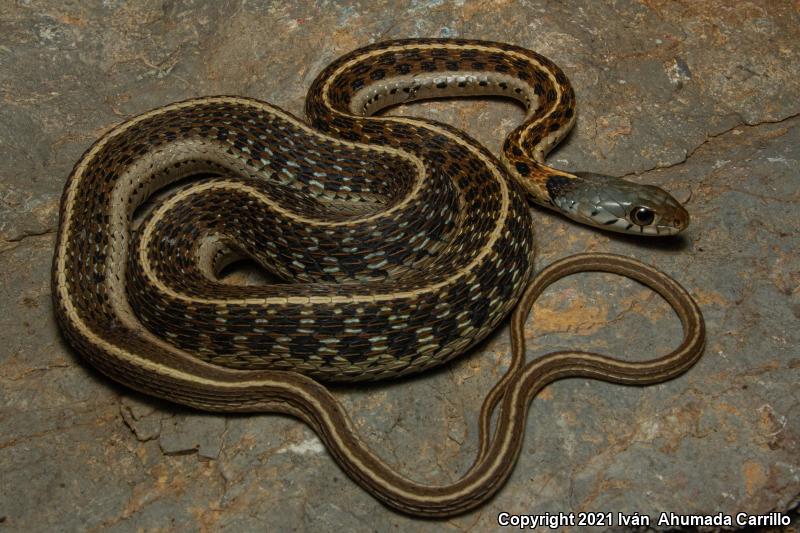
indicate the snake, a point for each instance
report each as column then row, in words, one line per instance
column 394, row 244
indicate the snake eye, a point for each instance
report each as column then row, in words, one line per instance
column 642, row 216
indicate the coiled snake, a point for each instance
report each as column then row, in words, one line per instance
column 405, row 242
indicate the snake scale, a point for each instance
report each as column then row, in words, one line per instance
column 397, row 244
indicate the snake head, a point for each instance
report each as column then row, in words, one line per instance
column 617, row 205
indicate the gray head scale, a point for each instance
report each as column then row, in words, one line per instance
column 617, row 205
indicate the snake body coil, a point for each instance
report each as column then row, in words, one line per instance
column 404, row 240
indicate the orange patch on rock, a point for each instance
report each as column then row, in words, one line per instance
column 754, row 477
column 709, row 297
column 546, row 394
column 72, row 21
column 580, row 316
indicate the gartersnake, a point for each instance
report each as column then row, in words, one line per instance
column 405, row 242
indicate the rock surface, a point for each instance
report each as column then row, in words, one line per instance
column 702, row 98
